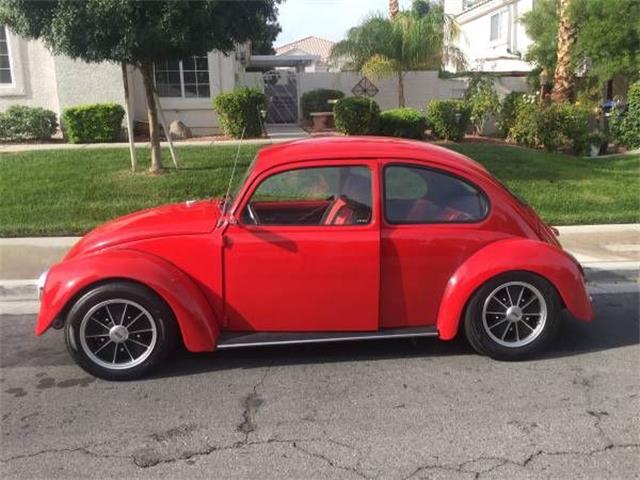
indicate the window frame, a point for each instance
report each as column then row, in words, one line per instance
column 265, row 175
column 182, row 82
column 11, row 69
column 501, row 34
column 383, row 200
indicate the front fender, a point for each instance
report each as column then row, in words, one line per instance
column 193, row 313
column 548, row 261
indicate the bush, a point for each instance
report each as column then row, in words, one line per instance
column 449, row 119
column 318, row 101
column 554, row 127
column 95, row 123
column 240, row 111
column 357, row 116
column 403, row 122
column 27, row 123
column 507, row 112
column 625, row 128
column 482, row 101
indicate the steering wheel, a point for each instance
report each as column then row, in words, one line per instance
column 253, row 216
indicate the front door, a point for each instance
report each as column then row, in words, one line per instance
column 304, row 254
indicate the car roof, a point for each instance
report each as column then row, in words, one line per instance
column 364, row 147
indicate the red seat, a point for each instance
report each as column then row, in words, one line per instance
column 339, row 213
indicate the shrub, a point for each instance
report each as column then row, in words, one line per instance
column 507, row 112
column 27, row 123
column 449, row 119
column 95, row 123
column 482, row 101
column 403, row 122
column 241, row 110
column 554, row 127
column 318, row 101
column 357, row 116
column 625, row 128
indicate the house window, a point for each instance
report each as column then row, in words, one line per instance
column 5, row 63
column 184, row 78
column 496, row 27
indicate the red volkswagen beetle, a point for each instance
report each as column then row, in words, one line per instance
column 328, row 239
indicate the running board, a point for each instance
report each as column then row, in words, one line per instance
column 258, row 339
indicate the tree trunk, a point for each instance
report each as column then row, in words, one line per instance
column 154, row 129
column 393, row 8
column 127, row 109
column 564, row 80
column 400, row 89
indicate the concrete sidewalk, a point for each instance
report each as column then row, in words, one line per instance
column 610, row 255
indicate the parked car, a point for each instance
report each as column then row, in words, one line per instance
column 327, row 239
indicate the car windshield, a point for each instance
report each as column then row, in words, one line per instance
column 226, row 203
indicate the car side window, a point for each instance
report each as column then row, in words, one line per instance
column 420, row 195
column 312, row 196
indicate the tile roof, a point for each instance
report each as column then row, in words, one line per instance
column 310, row 45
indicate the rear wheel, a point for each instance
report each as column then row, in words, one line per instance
column 120, row 331
column 513, row 316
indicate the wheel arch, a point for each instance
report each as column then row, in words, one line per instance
column 69, row 281
column 513, row 255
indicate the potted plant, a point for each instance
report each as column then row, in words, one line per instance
column 598, row 143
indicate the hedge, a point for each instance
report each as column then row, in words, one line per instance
column 357, row 116
column 94, row 123
column 27, row 123
column 241, row 110
column 318, row 101
column 448, row 119
column 626, row 127
column 403, row 122
column 508, row 110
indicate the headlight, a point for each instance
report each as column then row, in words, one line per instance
column 42, row 280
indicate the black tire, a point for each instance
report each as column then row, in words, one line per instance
column 124, row 302
column 521, row 334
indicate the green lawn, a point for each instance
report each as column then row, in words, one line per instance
column 67, row 192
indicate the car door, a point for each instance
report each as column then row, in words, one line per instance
column 433, row 221
column 298, row 259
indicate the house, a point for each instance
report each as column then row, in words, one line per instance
column 318, row 48
column 31, row 75
column 491, row 37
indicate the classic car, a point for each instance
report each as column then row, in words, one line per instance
column 327, row 239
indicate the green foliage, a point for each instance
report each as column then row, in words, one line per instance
column 240, row 111
column 27, row 123
column 556, row 126
column 403, row 122
column 448, row 119
column 508, row 110
column 357, row 116
column 482, row 101
column 318, row 101
column 607, row 36
column 626, row 127
column 138, row 32
column 96, row 123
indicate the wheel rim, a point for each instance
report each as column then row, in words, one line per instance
column 118, row 334
column 514, row 314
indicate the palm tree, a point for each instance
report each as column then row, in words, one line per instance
column 564, row 79
column 394, row 8
column 381, row 47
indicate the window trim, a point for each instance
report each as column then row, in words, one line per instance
column 501, row 37
column 12, row 70
column 442, row 172
column 255, row 184
column 182, row 83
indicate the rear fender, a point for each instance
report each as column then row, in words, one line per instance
column 193, row 313
column 548, row 261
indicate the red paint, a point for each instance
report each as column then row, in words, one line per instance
column 218, row 274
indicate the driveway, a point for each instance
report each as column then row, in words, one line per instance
column 397, row 409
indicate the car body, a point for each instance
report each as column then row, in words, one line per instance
column 326, row 239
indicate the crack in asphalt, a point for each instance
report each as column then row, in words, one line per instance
column 252, row 403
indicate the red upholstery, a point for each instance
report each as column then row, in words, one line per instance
column 339, row 213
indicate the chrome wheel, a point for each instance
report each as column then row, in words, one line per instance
column 514, row 314
column 118, row 334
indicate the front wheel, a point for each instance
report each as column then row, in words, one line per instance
column 513, row 316
column 120, row 331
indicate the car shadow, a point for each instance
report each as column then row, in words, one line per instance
column 616, row 325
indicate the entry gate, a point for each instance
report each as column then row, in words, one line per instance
column 281, row 90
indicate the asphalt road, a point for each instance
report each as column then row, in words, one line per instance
column 398, row 409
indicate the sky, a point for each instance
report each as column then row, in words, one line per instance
column 328, row 19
